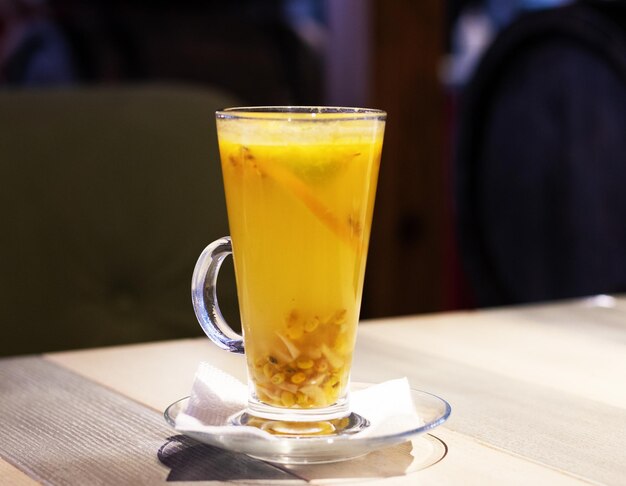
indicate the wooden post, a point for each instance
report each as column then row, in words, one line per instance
column 405, row 267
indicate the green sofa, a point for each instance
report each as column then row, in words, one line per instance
column 107, row 198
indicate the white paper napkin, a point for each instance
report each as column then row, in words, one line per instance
column 216, row 396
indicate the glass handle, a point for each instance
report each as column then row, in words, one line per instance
column 204, row 296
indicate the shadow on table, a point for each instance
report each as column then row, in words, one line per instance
column 190, row 460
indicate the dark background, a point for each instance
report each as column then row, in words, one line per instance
column 410, row 58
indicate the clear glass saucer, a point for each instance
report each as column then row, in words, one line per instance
column 432, row 409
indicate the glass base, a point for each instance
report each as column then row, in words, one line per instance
column 350, row 424
column 337, row 410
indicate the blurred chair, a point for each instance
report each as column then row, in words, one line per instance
column 108, row 196
column 541, row 158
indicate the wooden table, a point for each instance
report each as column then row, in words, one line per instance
column 538, row 396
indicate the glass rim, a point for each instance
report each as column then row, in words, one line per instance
column 301, row 113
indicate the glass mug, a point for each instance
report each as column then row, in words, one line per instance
column 300, row 184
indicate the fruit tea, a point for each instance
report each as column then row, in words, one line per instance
column 300, row 193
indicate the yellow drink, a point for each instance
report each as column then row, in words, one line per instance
column 300, row 197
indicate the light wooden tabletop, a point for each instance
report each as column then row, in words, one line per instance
column 538, row 396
